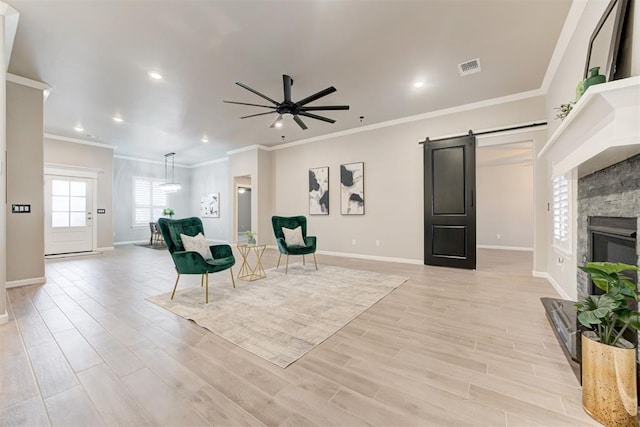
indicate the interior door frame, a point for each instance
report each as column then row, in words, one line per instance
column 80, row 172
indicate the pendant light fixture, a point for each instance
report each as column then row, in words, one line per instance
column 169, row 186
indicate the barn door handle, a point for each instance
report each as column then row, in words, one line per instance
column 471, row 198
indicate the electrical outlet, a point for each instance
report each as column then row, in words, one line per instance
column 377, row 242
column 353, row 242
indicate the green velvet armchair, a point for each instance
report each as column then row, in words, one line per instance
column 192, row 262
column 280, row 222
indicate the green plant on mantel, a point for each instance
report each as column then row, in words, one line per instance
column 563, row 110
column 610, row 314
column 169, row 212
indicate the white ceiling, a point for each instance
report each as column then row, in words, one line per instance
column 96, row 55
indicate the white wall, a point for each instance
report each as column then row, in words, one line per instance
column 207, row 179
column 123, row 172
column 393, row 179
column 505, row 206
column 562, row 267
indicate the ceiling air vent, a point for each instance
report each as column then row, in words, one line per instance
column 469, row 67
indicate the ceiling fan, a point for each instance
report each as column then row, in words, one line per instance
column 296, row 109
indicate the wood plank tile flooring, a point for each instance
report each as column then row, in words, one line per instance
column 447, row 348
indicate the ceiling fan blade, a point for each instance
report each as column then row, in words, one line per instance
column 325, row 108
column 315, row 96
column 287, row 82
column 299, row 121
column 315, row 116
column 245, row 103
column 257, row 93
column 276, row 121
column 259, row 114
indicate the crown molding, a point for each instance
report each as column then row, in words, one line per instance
column 250, row 148
column 23, row 81
column 438, row 113
column 79, row 141
column 155, row 162
column 209, row 162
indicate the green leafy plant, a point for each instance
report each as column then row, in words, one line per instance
column 250, row 234
column 610, row 314
column 563, row 110
column 168, row 211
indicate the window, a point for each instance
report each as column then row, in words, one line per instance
column 149, row 201
column 68, row 204
column 561, row 213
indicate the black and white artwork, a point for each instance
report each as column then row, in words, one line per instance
column 210, row 206
column 352, row 189
column 319, row 191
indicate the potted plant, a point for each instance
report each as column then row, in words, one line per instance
column 608, row 360
column 169, row 212
column 251, row 237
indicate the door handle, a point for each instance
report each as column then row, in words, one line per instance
column 472, row 201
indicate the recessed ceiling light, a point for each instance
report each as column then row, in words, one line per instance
column 204, row 139
column 118, row 119
column 418, row 84
column 78, row 129
column 155, row 75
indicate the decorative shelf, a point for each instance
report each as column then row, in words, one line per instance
column 602, row 129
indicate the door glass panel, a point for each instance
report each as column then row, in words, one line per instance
column 59, row 187
column 78, row 219
column 59, row 219
column 59, row 203
column 78, row 204
column 78, row 189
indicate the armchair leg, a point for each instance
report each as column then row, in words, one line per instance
column 314, row 260
column 175, row 287
column 286, row 268
column 232, row 279
column 206, row 289
column 202, row 280
column 278, row 266
column 303, row 264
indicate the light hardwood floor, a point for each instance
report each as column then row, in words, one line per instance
column 449, row 347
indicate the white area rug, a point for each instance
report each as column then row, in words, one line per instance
column 282, row 317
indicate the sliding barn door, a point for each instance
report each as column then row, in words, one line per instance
column 449, row 202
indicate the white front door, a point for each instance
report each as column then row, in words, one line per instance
column 68, row 214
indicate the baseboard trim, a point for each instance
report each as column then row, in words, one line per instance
column 26, row 282
column 107, row 248
column 556, row 285
column 4, row 318
column 372, row 257
column 505, row 248
column 130, row 242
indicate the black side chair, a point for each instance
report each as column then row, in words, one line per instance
column 193, row 262
column 280, row 222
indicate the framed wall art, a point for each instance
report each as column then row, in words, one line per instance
column 210, row 206
column 352, row 189
column 319, row 191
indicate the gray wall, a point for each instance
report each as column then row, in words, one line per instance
column 81, row 155
column 123, row 172
column 244, row 211
column 207, row 179
column 393, row 180
column 25, row 232
column 505, row 206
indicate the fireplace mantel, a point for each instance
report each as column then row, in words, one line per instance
column 602, row 129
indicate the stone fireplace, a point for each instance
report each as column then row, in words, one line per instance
column 608, row 217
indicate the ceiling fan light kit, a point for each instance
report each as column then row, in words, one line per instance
column 287, row 106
